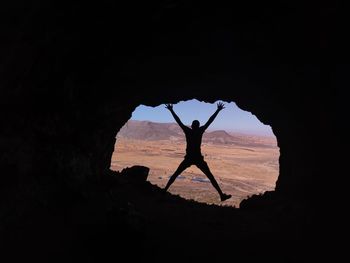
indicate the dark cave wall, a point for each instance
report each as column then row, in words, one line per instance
column 72, row 75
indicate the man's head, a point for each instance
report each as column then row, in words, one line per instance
column 195, row 124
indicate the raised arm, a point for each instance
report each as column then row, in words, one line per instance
column 177, row 119
column 220, row 106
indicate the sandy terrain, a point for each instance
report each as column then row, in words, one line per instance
column 240, row 171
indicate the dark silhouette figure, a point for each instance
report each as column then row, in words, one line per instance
column 193, row 149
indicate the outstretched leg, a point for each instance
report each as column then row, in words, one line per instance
column 203, row 166
column 182, row 167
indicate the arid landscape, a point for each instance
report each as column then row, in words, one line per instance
column 242, row 164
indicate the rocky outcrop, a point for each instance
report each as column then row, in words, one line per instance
column 136, row 173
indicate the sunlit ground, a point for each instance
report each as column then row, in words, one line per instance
column 243, row 164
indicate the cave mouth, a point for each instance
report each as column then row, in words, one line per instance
column 241, row 152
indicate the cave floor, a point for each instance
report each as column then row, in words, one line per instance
column 119, row 216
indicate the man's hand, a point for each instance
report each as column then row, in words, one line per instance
column 169, row 106
column 221, row 106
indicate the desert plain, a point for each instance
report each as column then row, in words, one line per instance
column 241, row 169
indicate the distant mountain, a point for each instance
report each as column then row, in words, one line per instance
column 220, row 137
column 153, row 131
column 150, row 131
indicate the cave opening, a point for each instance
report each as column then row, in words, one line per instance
column 241, row 152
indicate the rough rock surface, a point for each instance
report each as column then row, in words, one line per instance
column 71, row 75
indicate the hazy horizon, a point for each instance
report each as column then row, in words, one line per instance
column 240, row 121
column 211, row 129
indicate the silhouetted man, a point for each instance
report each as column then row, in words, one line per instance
column 193, row 149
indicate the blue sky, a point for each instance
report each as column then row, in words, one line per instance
column 231, row 118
